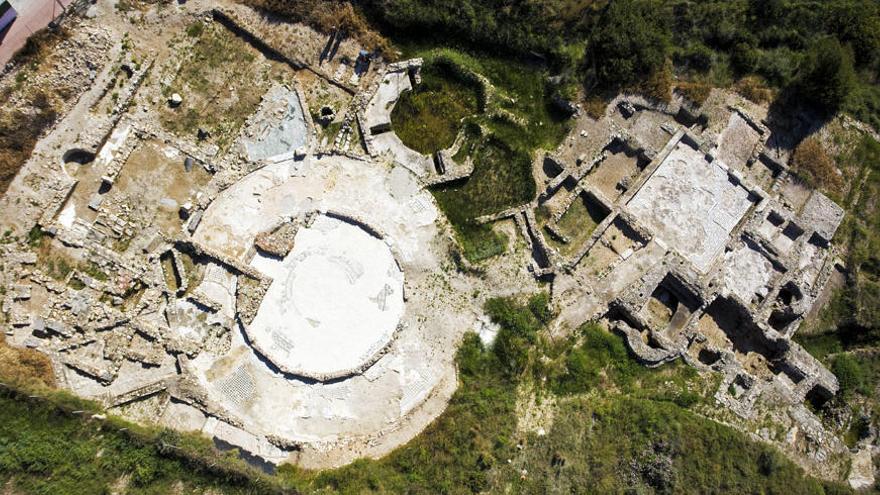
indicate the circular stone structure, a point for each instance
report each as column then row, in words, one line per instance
column 334, row 303
column 375, row 213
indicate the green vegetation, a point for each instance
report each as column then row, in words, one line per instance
column 628, row 43
column 457, row 452
column 618, row 427
column 517, row 118
column 94, row 271
column 813, row 164
column 195, row 29
column 827, row 76
column 35, row 236
column 45, row 449
column 577, row 224
column 850, row 373
column 58, row 268
column 847, row 332
column 598, row 357
column 512, row 26
column 501, row 179
column 221, row 81
column 428, row 118
column 625, row 445
column 826, row 52
column 856, row 304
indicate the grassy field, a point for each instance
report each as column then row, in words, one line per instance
column 502, row 178
column 428, row 118
column 577, row 224
column 515, row 121
column 221, row 80
column 618, row 428
column 44, row 450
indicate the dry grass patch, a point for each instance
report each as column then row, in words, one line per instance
column 25, row 367
column 696, row 91
column 222, row 82
column 327, row 16
column 27, row 110
column 812, row 163
column 755, row 89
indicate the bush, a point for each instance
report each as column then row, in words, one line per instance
column 813, row 165
column 629, row 43
column 601, row 355
column 754, row 88
column 539, row 305
column 827, row 75
column 519, row 330
column 850, row 374
column 195, row 29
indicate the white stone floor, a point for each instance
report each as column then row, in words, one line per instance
column 691, row 204
column 342, row 419
column 334, row 303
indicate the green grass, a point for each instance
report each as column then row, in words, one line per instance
column 501, row 179
column 577, row 224
column 221, row 81
column 428, row 118
column 616, row 422
column 626, row 445
column 853, row 315
column 515, row 121
column 619, row 428
column 46, row 451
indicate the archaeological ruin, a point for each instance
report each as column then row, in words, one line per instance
column 290, row 291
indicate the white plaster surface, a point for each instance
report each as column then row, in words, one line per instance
column 747, row 272
column 398, row 395
column 334, row 302
column 691, row 204
column 388, row 142
column 379, row 109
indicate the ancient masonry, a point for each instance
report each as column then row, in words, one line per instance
column 290, row 300
column 704, row 248
column 269, row 305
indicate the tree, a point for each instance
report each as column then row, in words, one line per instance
column 850, row 374
column 856, row 23
column 826, row 76
column 767, row 11
column 629, row 43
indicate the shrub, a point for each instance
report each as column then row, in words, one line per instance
column 600, row 355
column 850, row 374
column 697, row 92
column 754, row 88
column 519, row 329
column 539, row 305
column 195, row 29
column 812, row 163
column 827, row 76
column 629, row 43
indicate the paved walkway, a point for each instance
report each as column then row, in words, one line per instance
column 33, row 15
